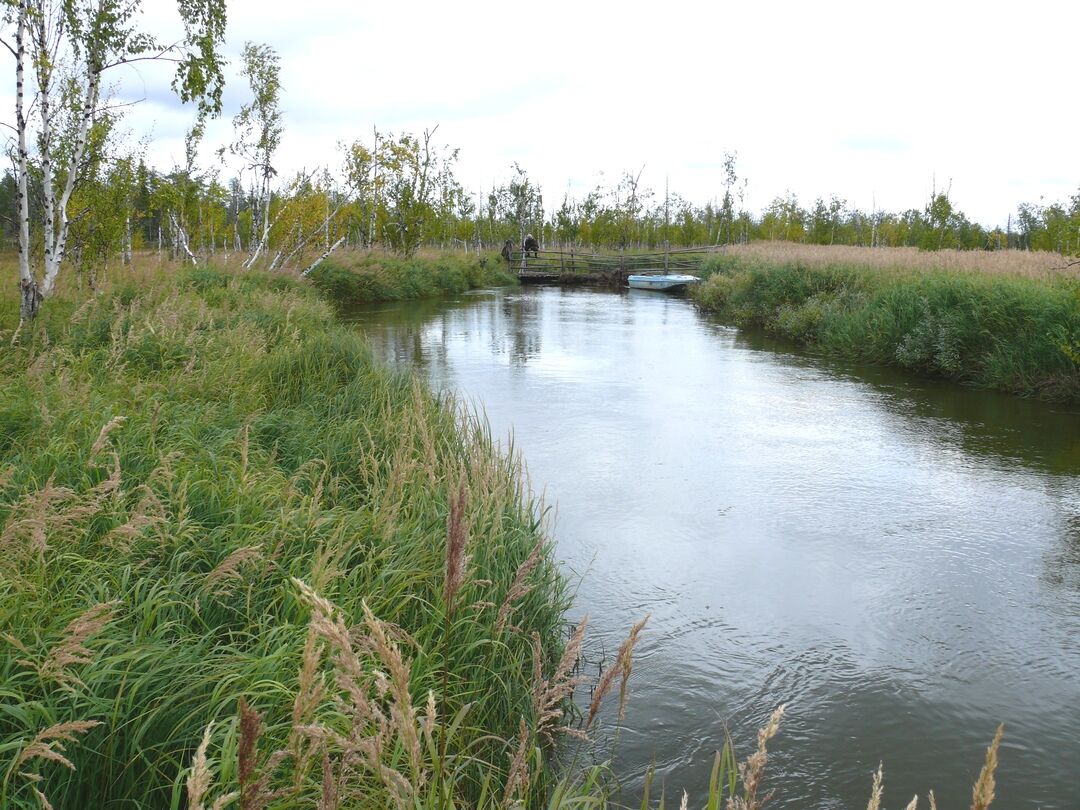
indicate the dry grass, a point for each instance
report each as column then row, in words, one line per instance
column 983, row 792
column 550, row 694
column 519, row 588
column 1032, row 264
column 752, row 770
column 622, row 666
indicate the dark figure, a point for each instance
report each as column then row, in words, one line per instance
column 508, row 250
column 531, row 245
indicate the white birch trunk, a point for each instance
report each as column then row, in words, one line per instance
column 30, row 296
column 265, row 239
column 126, row 257
column 44, row 78
column 374, row 190
column 260, row 246
column 302, row 243
column 319, row 260
column 182, row 239
column 56, row 229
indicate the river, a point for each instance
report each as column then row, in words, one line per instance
column 895, row 559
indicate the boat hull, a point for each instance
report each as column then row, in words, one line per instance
column 667, row 282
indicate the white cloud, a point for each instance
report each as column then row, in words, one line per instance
column 868, row 101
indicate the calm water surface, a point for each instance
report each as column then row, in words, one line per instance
column 897, row 560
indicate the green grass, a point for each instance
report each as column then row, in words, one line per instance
column 259, row 443
column 1000, row 331
column 361, row 277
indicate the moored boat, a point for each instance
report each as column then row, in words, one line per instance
column 661, row 281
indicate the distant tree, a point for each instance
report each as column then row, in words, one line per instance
column 939, row 214
column 414, row 171
column 726, row 231
column 630, row 201
column 258, row 128
column 519, row 205
column 69, row 47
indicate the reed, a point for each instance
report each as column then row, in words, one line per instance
column 1029, row 263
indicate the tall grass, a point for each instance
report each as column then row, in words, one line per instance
column 364, row 276
column 1031, row 263
column 991, row 329
column 176, row 460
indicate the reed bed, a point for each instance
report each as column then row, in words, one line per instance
column 992, row 328
column 1029, row 263
column 243, row 566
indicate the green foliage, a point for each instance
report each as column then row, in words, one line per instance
column 364, row 277
column 1007, row 332
column 405, row 190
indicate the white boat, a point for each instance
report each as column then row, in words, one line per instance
column 661, row 281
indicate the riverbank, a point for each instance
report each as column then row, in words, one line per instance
column 237, row 552
column 362, row 277
column 233, row 563
column 999, row 330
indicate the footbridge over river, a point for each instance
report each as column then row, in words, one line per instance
column 576, row 267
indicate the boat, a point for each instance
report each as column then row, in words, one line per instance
column 661, row 281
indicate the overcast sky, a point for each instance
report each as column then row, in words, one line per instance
column 866, row 100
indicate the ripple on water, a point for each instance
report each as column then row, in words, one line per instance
column 897, row 560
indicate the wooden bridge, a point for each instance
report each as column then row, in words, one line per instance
column 577, row 267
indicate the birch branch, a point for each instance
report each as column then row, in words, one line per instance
column 301, row 181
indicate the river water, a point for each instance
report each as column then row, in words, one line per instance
column 897, row 560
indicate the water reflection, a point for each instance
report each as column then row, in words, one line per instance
column 897, row 559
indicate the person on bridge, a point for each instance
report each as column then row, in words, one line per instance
column 531, row 245
column 508, row 250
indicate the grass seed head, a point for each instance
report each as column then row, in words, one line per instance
column 457, row 541
column 875, row 791
column 198, row 781
column 982, row 794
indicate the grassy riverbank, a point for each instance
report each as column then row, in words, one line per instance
column 211, row 498
column 990, row 328
column 368, row 276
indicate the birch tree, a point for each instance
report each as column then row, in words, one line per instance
column 519, row 204
column 413, row 170
column 69, row 47
column 258, row 128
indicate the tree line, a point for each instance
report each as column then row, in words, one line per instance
column 80, row 195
